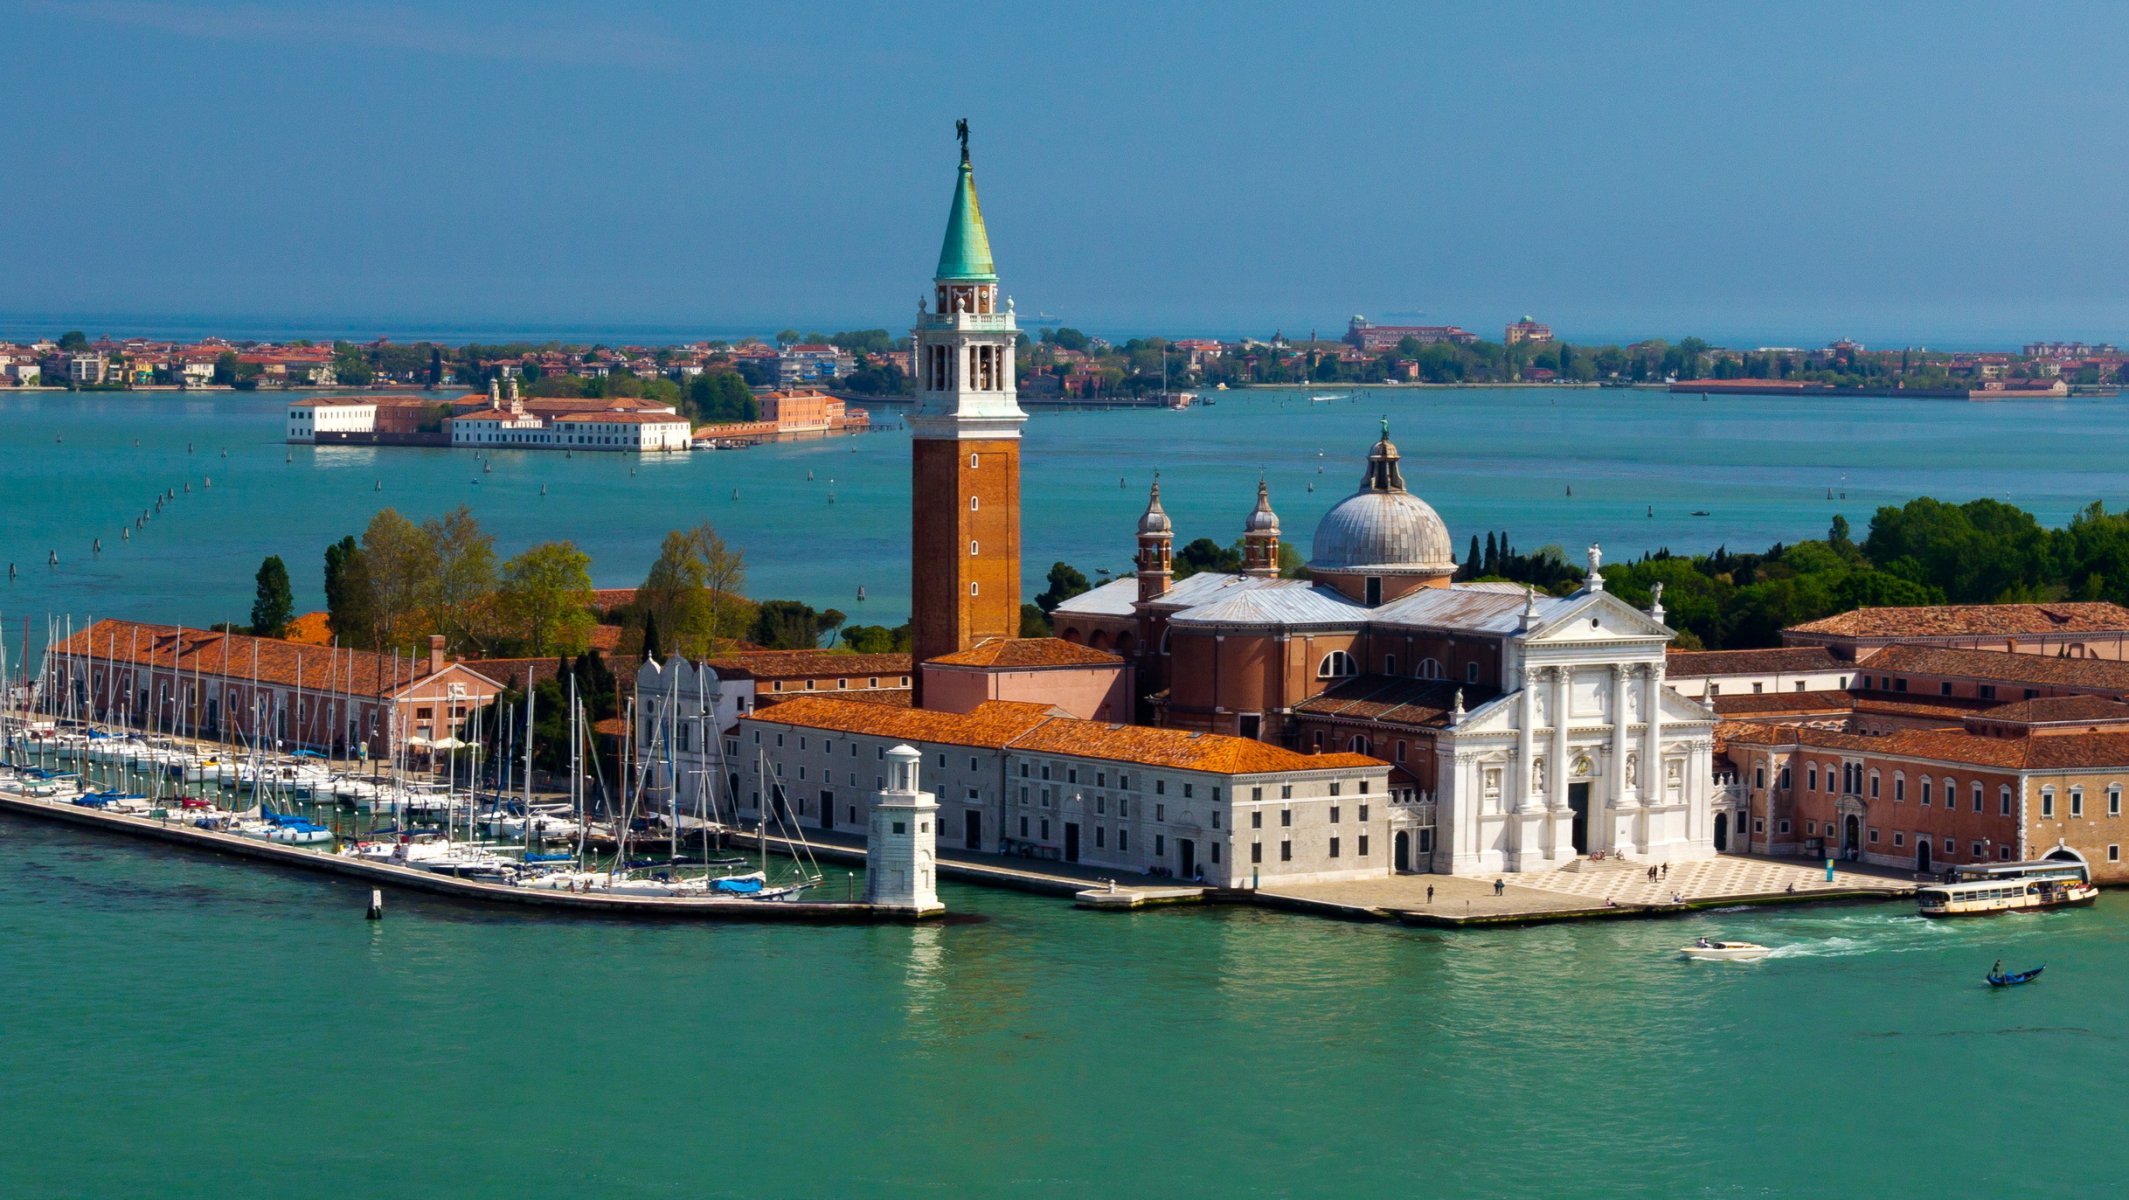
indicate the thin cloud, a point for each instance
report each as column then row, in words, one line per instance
column 379, row 27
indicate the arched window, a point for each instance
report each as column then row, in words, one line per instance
column 1899, row 787
column 1337, row 665
column 1811, row 777
column 1359, row 744
column 1430, row 668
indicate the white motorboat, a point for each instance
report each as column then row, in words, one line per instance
column 1724, row 951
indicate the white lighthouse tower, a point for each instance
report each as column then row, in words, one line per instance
column 901, row 861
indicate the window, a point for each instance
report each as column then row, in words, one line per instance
column 1160, row 846
column 1215, row 818
column 1758, row 688
column 971, row 462
column 1811, row 777
column 1899, row 787
column 1944, row 689
column 2114, row 854
column 2047, row 802
column 1123, row 841
column 1988, row 691
column 1873, row 837
column 1471, row 672
column 1336, row 665
column 1334, row 814
column 1873, row 785
column 1216, row 852
column 1334, row 790
column 1925, row 791
column 1977, row 796
column 972, row 549
column 973, row 588
column 2003, row 801
column 1256, row 852
column 1286, row 852
column 1334, row 847
column 1785, row 826
column 1160, row 812
column 1430, row 668
column 1256, row 818
column 1899, row 839
column 1045, row 829
column 2114, row 801
column 1389, row 664
column 1286, row 818
column 1400, row 751
column 1160, row 787
column 1974, row 851
column 1363, row 846
column 1101, row 834
column 2077, row 802
column 1286, row 791
column 972, row 505
column 1363, row 812
column 1186, row 791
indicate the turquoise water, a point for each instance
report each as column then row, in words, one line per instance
column 188, row 1026
column 1486, row 458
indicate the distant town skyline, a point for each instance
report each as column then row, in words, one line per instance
column 1658, row 171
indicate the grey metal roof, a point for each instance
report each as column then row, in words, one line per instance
column 1278, row 602
column 1115, row 598
column 1479, row 609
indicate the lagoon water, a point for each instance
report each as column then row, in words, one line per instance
column 1487, row 459
column 189, row 1026
column 184, row 1026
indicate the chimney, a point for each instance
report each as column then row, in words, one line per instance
column 436, row 653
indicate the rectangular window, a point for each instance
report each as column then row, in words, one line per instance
column 2114, row 802
column 1256, row 852
column 1334, row 814
column 1286, row 791
column 1160, row 812
column 1216, row 852
column 1286, row 817
column 1334, row 847
column 1873, row 837
column 1186, row 791
column 2047, row 802
column 1160, row 845
column 1160, row 787
column 1988, row 691
column 1045, row 829
column 1215, row 818
column 2114, row 854
column 1123, row 841
column 1256, row 793
column 2077, row 802
column 2003, row 801
column 1363, row 845
column 1977, row 797
column 1899, row 839
column 1785, row 826
column 1023, row 827
column 1256, row 818
column 1334, row 787
column 1363, row 812
column 1286, row 852
column 1101, row 833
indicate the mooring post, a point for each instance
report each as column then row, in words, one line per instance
column 376, row 912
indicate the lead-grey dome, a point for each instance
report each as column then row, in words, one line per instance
column 1383, row 529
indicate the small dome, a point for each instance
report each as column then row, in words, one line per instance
column 1382, row 528
column 1262, row 519
column 1155, row 519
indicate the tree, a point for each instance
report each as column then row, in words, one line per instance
column 458, row 591
column 73, row 340
column 1205, row 554
column 351, row 366
column 721, row 397
column 694, row 590
column 347, row 594
column 273, row 603
column 877, row 639
column 792, row 625
column 787, row 337
column 1034, row 622
column 546, row 596
column 1066, row 581
column 653, row 650
column 398, row 567
column 1066, row 338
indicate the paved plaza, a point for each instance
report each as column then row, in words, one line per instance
column 1586, row 886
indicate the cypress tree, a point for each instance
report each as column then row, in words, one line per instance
column 273, row 604
column 1472, row 561
column 1493, row 555
column 651, row 648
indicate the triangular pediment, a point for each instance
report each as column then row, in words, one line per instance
column 1587, row 617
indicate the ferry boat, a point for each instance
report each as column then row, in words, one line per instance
column 1984, row 889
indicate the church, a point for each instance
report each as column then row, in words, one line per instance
column 1523, row 730
column 1373, row 717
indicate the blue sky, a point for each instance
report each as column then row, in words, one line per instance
column 1772, row 173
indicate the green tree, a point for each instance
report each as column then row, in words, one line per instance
column 546, row 596
column 457, row 593
column 73, row 340
column 720, row 397
column 1034, row 622
column 347, row 595
column 273, row 602
column 351, row 365
column 876, row 639
column 792, row 625
column 1065, row 582
column 787, row 337
column 1204, row 554
column 399, row 564
column 695, row 591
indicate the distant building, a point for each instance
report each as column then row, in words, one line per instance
column 86, row 369
column 1526, row 330
column 2091, row 629
column 811, row 364
column 1376, row 339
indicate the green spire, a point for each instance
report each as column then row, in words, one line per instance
column 965, row 257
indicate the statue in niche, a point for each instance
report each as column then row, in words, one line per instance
column 1537, row 776
column 1633, row 768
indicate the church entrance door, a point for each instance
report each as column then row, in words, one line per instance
column 1186, row 858
column 972, row 830
column 1851, row 835
column 1401, row 847
column 1071, row 841
column 1722, row 832
column 1922, row 854
column 1578, row 803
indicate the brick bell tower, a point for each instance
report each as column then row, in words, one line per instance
column 965, row 446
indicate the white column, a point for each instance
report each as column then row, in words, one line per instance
column 1652, row 736
column 1619, row 821
column 1562, row 702
column 1521, row 784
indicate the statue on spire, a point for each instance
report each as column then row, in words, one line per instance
column 961, row 131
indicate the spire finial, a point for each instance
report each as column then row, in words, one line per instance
column 961, row 131
column 1386, row 427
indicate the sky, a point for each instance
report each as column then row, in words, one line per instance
column 1788, row 173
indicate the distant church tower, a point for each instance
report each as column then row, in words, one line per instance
column 965, row 447
column 1260, row 538
column 901, row 853
column 1156, row 548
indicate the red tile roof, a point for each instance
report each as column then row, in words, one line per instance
column 1760, row 704
column 243, row 657
column 1966, row 620
column 1699, row 664
column 2061, row 752
column 1029, row 654
column 2001, row 666
column 811, row 664
column 1037, row 728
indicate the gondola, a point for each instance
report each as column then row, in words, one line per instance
column 1996, row 980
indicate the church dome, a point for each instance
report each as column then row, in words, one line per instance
column 1382, row 529
column 1155, row 519
column 1262, row 519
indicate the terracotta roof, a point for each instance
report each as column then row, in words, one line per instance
column 810, row 664
column 1036, row 728
column 1393, row 700
column 1966, row 620
column 624, row 418
column 1699, row 664
column 989, row 725
column 2072, row 710
column 2062, row 752
column 1029, row 653
column 1760, row 703
column 238, row 656
column 2001, row 666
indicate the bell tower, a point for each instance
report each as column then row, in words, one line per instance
column 1260, row 537
column 1156, row 547
column 965, row 445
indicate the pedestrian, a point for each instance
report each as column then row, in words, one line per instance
column 1430, row 893
column 1499, row 886
column 1666, row 870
